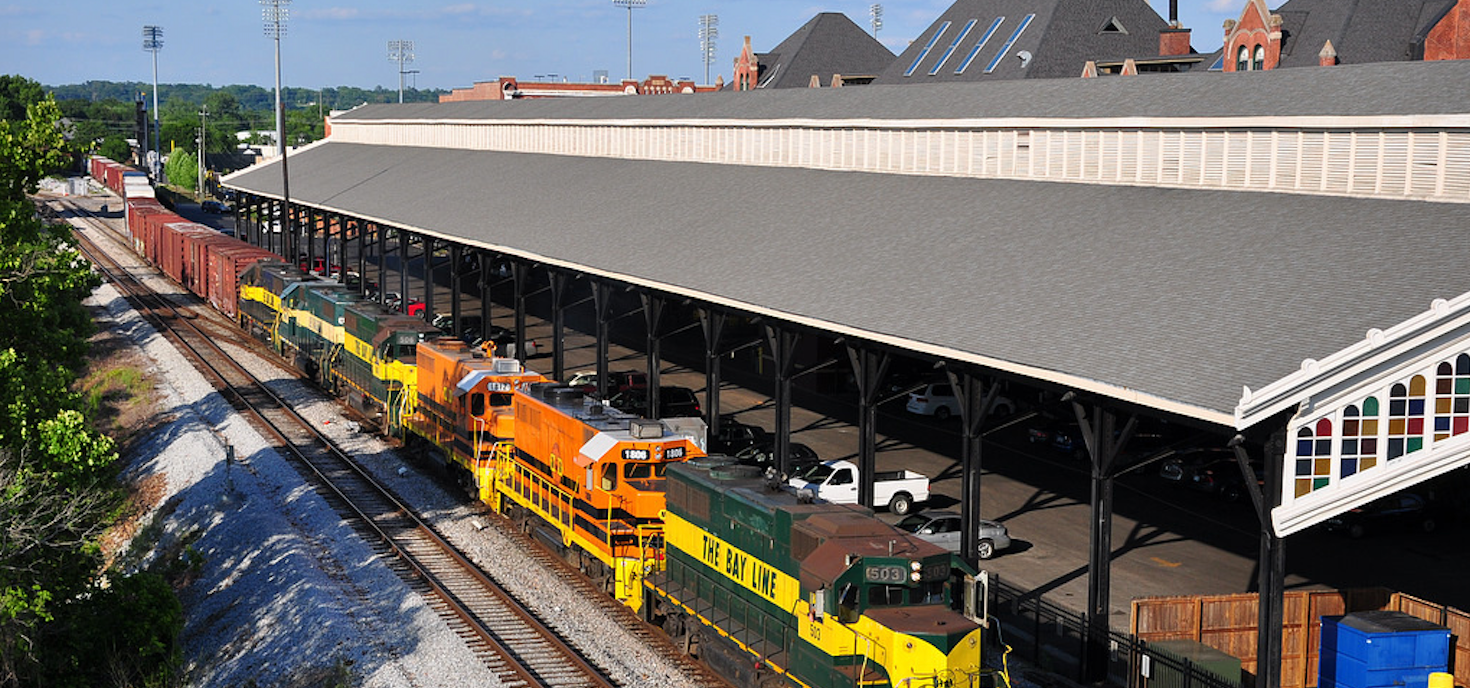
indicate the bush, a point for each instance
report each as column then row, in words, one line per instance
column 126, row 634
column 182, row 169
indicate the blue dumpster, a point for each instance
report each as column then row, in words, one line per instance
column 1381, row 649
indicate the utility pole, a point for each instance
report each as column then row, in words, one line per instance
column 153, row 42
column 630, row 5
column 402, row 53
column 203, row 112
column 709, row 30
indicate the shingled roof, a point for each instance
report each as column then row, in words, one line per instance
column 828, row 44
column 1362, row 32
column 1060, row 36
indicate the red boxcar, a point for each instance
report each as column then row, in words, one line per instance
column 226, row 262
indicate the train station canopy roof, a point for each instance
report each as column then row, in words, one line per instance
column 1172, row 298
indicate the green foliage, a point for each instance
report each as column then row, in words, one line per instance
column 115, row 148
column 182, row 169
column 16, row 93
column 59, row 623
column 123, row 634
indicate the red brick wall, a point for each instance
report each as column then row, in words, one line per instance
column 1450, row 38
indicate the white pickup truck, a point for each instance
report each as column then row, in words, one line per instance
column 837, row 482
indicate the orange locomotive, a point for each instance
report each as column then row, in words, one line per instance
column 585, row 477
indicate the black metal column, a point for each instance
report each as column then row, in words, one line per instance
column 519, row 271
column 486, row 291
column 456, row 275
column 1271, row 569
column 713, row 325
column 405, row 244
column 869, row 367
column 1103, row 447
column 976, row 402
column 783, row 354
column 309, row 223
column 558, row 280
column 360, row 229
column 653, row 315
column 382, row 235
column 602, row 293
column 428, row 273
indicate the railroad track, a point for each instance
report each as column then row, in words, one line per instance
column 504, row 634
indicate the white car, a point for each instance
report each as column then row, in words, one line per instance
column 943, row 528
column 938, row 400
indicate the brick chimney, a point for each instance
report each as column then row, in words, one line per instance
column 1174, row 40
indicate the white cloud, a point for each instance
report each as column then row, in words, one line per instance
column 462, row 8
column 35, row 37
column 1223, row 5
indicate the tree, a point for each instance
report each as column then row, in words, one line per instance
column 182, row 169
column 57, row 490
column 16, row 92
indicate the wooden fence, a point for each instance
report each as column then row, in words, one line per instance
column 1228, row 623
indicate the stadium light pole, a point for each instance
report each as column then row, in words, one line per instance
column 709, row 30
column 153, row 42
column 875, row 13
column 630, row 5
column 401, row 52
column 275, row 13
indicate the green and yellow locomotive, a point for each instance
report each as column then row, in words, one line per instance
column 772, row 589
column 348, row 344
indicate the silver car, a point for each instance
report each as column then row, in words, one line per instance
column 943, row 528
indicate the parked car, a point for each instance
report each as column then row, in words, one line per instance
column 799, row 457
column 214, row 207
column 1396, row 513
column 1062, row 436
column 673, row 402
column 943, row 528
column 836, row 481
column 1180, row 468
column 617, row 381
column 735, row 436
column 938, row 399
column 1222, row 478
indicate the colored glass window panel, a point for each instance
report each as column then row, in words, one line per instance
column 1406, row 417
column 1452, row 398
column 1358, row 450
column 1313, row 457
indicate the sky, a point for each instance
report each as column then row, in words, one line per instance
column 456, row 43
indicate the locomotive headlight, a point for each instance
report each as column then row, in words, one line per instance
column 914, row 576
column 915, row 566
column 635, row 454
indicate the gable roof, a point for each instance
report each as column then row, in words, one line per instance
column 1361, row 32
column 828, row 44
column 1060, row 36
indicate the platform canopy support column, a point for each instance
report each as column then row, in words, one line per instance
column 783, row 354
column 309, row 227
column 976, row 399
column 558, row 280
column 1104, row 444
column 428, row 272
column 360, row 229
column 1271, row 568
column 869, row 367
column 381, row 233
column 712, row 323
column 487, row 289
column 653, row 316
column 456, row 274
column 405, row 244
column 602, row 293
